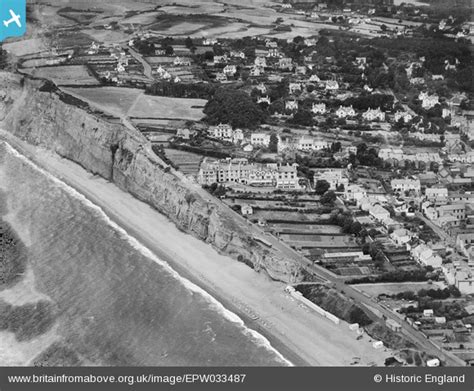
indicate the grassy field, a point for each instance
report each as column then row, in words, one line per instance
column 25, row 47
column 66, row 75
column 163, row 107
column 392, row 289
column 114, row 98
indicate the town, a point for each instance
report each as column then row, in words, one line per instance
column 345, row 131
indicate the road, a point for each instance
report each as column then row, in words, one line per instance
column 437, row 230
column 146, row 67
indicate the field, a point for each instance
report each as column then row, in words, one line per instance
column 24, row 47
column 392, row 289
column 113, row 98
column 188, row 163
column 169, row 108
column 66, row 75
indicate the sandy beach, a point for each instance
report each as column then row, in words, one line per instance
column 303, row 337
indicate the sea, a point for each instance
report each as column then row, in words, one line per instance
column 114, row 302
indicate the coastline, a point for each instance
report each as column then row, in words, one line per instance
column 289, row 344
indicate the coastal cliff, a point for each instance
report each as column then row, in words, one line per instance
column 37, row 112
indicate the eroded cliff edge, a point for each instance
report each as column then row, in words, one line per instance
column 37, row 112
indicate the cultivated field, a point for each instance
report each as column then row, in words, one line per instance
column 187, row 162
column 66, row 75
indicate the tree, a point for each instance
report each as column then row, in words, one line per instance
column 273, row 144
column 328, row 198
column 169, row 50
column 234, row 107
column 321, row 186
column 188, row 42
column 302, row 117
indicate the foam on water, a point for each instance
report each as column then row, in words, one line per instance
column 258, row 338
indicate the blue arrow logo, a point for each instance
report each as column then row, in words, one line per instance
column 12, row 18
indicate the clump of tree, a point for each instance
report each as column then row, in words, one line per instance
column 234, row 107
column 216, row 190
column 321, row 186
column 145, row 47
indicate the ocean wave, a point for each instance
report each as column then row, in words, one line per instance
column 257, row 338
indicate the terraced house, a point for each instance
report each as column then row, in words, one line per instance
column 240, row 171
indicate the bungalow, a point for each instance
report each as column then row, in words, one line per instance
column 264, row 99
column 183, row 133
column 246, row 210
column 273, row 53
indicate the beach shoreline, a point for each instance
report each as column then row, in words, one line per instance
column 281, row 329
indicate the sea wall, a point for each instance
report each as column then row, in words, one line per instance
column 37, row 112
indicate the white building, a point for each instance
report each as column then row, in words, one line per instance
column 334, row 176
column 262, row 139
column 225, row 132
column 354, row 192
column 319, row 108
column 406, row 184
column 230, row 70
column 425, row 255
column 306, row 143
column 428, row 101
column 181, row 61
column 240, row 171
column 379, row 213
column 291, row 105
column 374, row 114
column 294, row 87
column 260, row 62
column 401, row 236
column 332, row 85
column 407, row 117
column 345, row 111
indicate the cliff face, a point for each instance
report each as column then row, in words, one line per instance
column 42, row 115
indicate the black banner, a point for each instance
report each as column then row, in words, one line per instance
column 221, row 379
